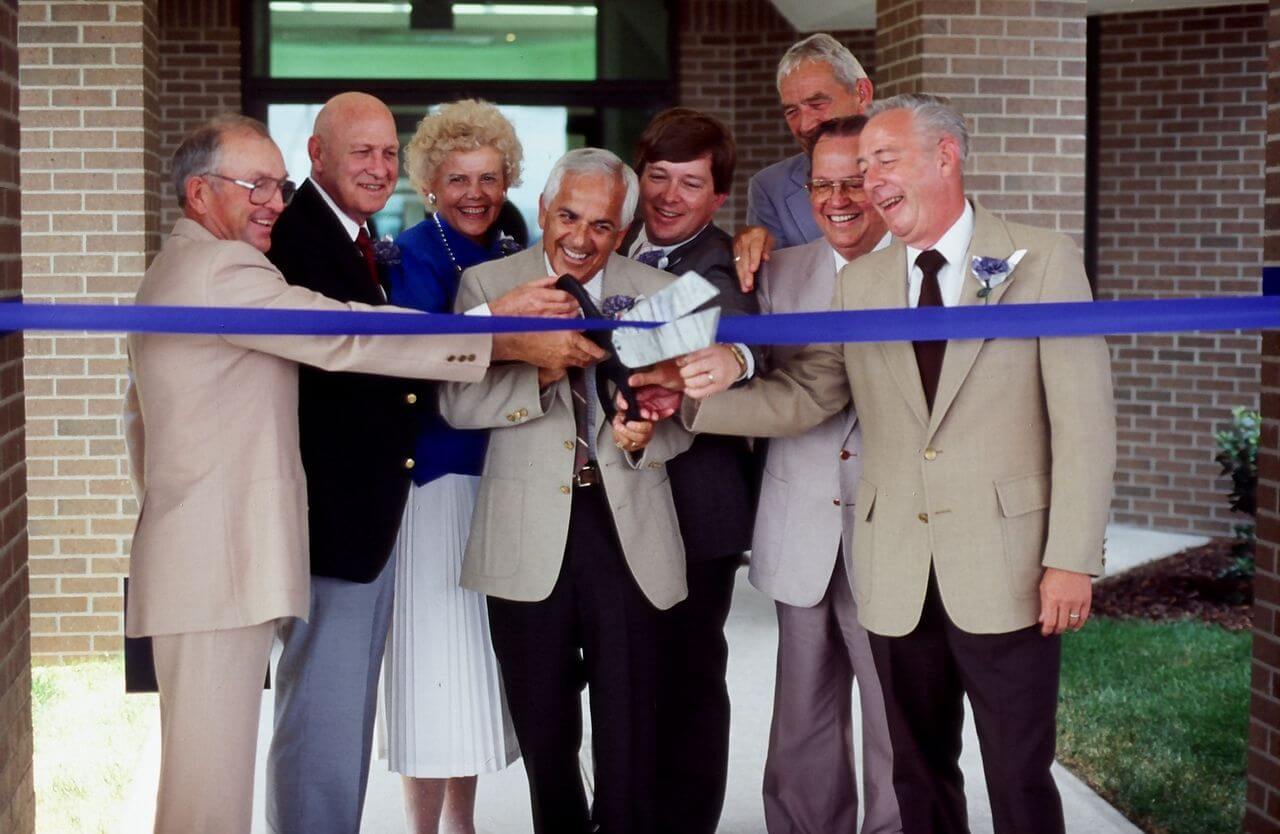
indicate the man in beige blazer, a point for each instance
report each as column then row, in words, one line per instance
column 220, row 549
column 574, row 539
column 978, row 517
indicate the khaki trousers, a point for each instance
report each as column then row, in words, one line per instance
column 210, row 698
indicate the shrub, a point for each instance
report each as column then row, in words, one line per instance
column 1238, row 454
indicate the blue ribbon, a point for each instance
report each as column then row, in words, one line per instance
column 1017, row 321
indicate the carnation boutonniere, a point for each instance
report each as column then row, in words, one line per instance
column 615, row 305
column 386, row 252
column 992, row 272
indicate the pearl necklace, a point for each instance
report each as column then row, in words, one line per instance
column 447, row 249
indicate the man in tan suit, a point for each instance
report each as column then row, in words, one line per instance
column 979, row 514
column 220, row 550
column 574, row 539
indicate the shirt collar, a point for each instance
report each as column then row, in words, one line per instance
column 954, row 244
column 643, row 244
column 842, row 261
column 351, row 226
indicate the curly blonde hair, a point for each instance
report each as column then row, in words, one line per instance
column 464, row 125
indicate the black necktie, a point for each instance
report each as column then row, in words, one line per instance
column 929, row 354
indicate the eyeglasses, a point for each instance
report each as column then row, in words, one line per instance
column 822, row 189
column 261, row 192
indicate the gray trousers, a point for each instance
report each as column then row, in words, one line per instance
column 326, row 698
column 810, row 780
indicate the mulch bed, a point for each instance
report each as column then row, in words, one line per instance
column 1190, row 584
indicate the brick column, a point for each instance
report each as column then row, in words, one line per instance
column 727, row 54
column 17, row 797
column 1016, row 69
column 1262, row 794
column 91, row 178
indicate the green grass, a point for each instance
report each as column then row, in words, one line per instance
column 1155, row 717
column 88, row 737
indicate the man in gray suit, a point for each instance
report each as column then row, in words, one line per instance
column 574, row 537
column 818, row 79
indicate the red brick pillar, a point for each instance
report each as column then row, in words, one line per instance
column 17, row 797
column 1016, row 69
column 1262, row 795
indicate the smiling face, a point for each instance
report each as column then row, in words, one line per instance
column 223, row 207
column 355, row 154
column 846, row 218
column 470, row 188
column 913, row 178
column 677, row 199
column 811, row 94
column 582, row 225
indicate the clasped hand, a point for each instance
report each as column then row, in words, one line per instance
column 552, row 352
column 699, row 374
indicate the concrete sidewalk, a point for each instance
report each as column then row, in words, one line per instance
column 503, row 803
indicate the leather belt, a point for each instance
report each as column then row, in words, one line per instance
column 588, row 475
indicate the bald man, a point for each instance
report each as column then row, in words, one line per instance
column 356, row 435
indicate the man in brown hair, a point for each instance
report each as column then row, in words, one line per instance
column 685, row 160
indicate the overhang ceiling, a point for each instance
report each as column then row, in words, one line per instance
column 824, row 15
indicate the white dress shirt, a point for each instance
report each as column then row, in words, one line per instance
column 352, row 227
column 953, row 246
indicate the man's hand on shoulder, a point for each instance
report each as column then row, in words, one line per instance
column 751, row 247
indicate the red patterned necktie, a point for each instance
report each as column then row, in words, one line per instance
column 365, row 245
column 929, row 354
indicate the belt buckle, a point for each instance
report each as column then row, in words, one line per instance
column 587, row 476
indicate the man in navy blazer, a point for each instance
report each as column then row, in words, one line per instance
column 819, row 79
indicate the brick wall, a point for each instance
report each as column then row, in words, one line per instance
column 17, row 797
column 199, row 76
column 728, row 54
column 90, row 177
column 1180, row 193
column 1016, row 69
column 1262, row 795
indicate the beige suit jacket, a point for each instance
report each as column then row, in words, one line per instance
column 521, row 521
column 1010, row 472
column 211, row 424
column 807, row 492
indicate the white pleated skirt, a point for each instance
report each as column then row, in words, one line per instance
column 445, row 711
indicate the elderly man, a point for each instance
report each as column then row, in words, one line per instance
column 357, row 436
column 818, row 79
column 574, row 539
column 220, row 551
column 978, row 517
column 685, row 161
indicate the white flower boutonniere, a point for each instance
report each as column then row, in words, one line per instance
column 992, row 272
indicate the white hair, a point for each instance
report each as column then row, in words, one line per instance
column 595, row 161
column 935, row 114
column 822, row 47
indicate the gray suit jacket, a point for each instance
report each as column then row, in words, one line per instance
column 1008, row 474
column 806, row 497
column 521, row 522
column 776, row 199
column 211, row 425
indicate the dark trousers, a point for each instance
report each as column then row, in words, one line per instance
column 693, row 702
column 598, row 629
column 1012, row 683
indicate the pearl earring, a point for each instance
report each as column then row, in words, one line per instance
column 431, row 197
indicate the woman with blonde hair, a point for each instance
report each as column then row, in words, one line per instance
column 445, row 712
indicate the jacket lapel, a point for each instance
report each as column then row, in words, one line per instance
column 798, row 200
column 990, row 239
column 891, row 293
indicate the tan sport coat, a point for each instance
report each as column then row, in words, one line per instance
column 806, row 494
column 1010, row 472
column 211, row 424
column 521, row 521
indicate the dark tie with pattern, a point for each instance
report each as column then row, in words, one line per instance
column 365, row 245
column 929, row 354
column 581, row 418
column 651, row 258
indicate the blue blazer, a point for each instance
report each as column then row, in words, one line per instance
column 427, row 279
column 776, row 199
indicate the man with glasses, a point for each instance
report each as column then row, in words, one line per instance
column 219, row 554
